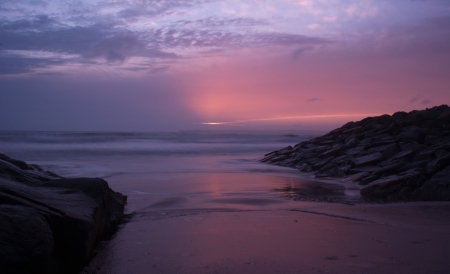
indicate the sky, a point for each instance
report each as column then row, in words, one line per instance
column 169, row 65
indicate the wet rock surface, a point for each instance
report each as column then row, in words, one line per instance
column 50, row 224
column 399, row 157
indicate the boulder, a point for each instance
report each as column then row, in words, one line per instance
column 394, row 188
column 381, row 152
column 368, row 159
column 68, row 217
column 26, row 241
column 437, row 188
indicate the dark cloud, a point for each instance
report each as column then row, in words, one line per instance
column 159, row 69
column 17, row 65
column 296, row 53
column 312, row 99
column 38, row 22
column 71, row 40
column 212, row 22
column 418, row 99
column 116, row 48
column 149, row 8
column 431, row 36
column 415, row 99
column 95, row 41
column 88, row 35
column 191, row 38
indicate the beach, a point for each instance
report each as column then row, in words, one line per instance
column 200, row 202
column 305, row 238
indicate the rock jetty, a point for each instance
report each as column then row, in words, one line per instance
column 399, row 157
column 50, row 224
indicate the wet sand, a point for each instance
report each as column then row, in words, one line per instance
column 258, row 236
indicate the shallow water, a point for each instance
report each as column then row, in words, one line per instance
column 203, row 169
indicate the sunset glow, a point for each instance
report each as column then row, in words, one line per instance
column 172, row 65
column 331, row 116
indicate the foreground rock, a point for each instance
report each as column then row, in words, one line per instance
column 49, row 224
column 403, row 157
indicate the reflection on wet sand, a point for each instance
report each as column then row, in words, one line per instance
column 241, row 222
column 319, row 191
column 313, row 238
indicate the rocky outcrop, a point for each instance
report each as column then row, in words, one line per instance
column 403, row 157
column 50, row 224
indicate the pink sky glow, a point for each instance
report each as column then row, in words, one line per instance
column 174, row 65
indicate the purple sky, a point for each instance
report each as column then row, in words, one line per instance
column 165, row 65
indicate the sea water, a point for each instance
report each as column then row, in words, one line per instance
column 168, row 169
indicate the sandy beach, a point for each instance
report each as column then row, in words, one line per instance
column 207, row 207
column 300, row 237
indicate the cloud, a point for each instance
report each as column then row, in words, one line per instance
column 214, row 22
column 149, row 8
column 116, row 48
column 418, row 99
column 84, row 43
column 159, row 69
column 18, row 65
column 38, row 22
column 193, row 38
column 296, row 53
column 116, row 31
column 314, row 99
column 415, row 99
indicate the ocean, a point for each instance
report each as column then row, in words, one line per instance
column 205, row 169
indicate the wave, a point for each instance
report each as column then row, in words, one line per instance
column 144, row 143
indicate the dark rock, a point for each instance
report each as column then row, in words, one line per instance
column 438, row 164
column 403, row 154
column 68, row 216
column 389, row 169
column 356, row 151
column 368, row 159
column 357, row 177
column 369, row 179
column 390, row 151
column 20, row 171
column 371, row 169
column 322, row 163
column 436, row 188
column 305, row 167
column 381, row 152
column 26, row 241
column 411, row 133
column 394, row 188
column 332, row 152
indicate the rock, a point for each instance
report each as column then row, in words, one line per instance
column 394, row 188
column 368, row 159
column 370, row 169
column 357, row 177
column 367, row 180
column 438, row 164
column 69, row 216
column 437, row 188
column 20, row 171
column 389, row 151
column 411, row 133
column 26, row 241
column 403, row 154
column 391, row 147
column 332, row 152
